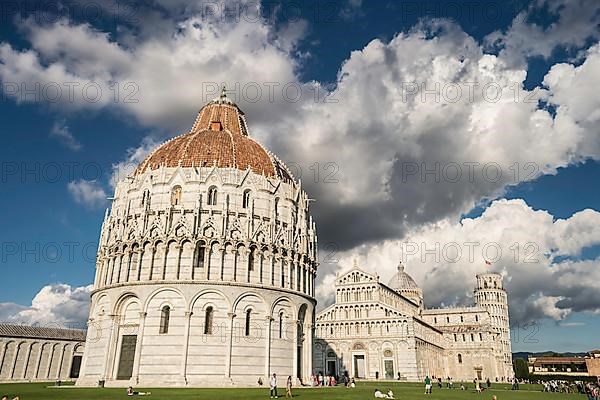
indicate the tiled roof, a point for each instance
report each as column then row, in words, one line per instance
column 219, row 137
column 558, row 360
column 25, row 331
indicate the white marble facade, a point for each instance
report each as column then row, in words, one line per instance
column 205, row 273
column 378, row 331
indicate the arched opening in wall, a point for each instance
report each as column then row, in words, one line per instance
column 176, row 196
column 212, row 196
column 165, row 314
column 208, row 321
column 199, row 257
column 460, row 358
column 146, row 199
column 248, row 321
column 246, row 199
column 300, row 339
column 276, row 208
column 251, row 257
column 76, row 362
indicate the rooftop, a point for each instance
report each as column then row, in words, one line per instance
column 38, row 332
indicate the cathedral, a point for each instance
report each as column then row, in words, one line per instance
column 378, row 331
column 205, row 276
column 206, row 266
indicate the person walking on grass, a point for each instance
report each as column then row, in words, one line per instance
column 288, row 387
column 273, row 386
column 427, row 385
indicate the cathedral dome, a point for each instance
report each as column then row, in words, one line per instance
column 402, row 281
column 219, row 137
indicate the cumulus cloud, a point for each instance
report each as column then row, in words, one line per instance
column 57, row 305
column 575, row 23
column 61, row 130
column 415, row 132
column 539, row 256
column 356, row 147
column 89, row 193
column 134, row 157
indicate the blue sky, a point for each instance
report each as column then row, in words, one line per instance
column 328, row 43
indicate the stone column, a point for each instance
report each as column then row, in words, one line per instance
column 14, row 361
column 109, row 348
column 60, row 361
column 98, row 273
column 38, row 361
column 50, row 357
column 290, row 280
column 295, row 348
column 309, row 351
column 3, row 353
column 128, row 257
column 138, row 349
column 230, row 345
column 138, row 267
column 151, row 269
column 268, row 346
column 27, row 355
column 186, row 343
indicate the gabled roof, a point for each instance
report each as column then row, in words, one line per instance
column 356, row 275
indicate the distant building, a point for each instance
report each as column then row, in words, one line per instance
column 29, row 353
column 378, row 331
column 569, row 366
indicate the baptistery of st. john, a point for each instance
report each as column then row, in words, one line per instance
column 206, row 265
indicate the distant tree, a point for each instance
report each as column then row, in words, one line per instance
column 521, row 368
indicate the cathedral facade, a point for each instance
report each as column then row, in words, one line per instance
column 378, row 331
column 206, row 266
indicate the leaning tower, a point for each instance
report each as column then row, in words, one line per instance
column 490, row 294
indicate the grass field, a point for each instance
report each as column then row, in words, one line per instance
column 363, row 391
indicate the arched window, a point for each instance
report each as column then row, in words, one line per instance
column 247, row 330
column 251, row 260
column 146, row 199
column 176, row 196
column 246, row 199
column 281, row 325
column 200, row 252
column 212, row 196
column 476, row 318
column 460, row 358
column 208, row 321
column 165, row 313
column 276, row 207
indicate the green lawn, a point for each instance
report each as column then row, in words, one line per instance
column 364, row 390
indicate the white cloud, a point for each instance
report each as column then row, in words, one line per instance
column 61, row 130
column 89, row 193
column 576, row 22
column 378, row 128
column 134, row 157
column 56, row 305
column 539, row 256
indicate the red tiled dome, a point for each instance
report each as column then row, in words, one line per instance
column 219, row 137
